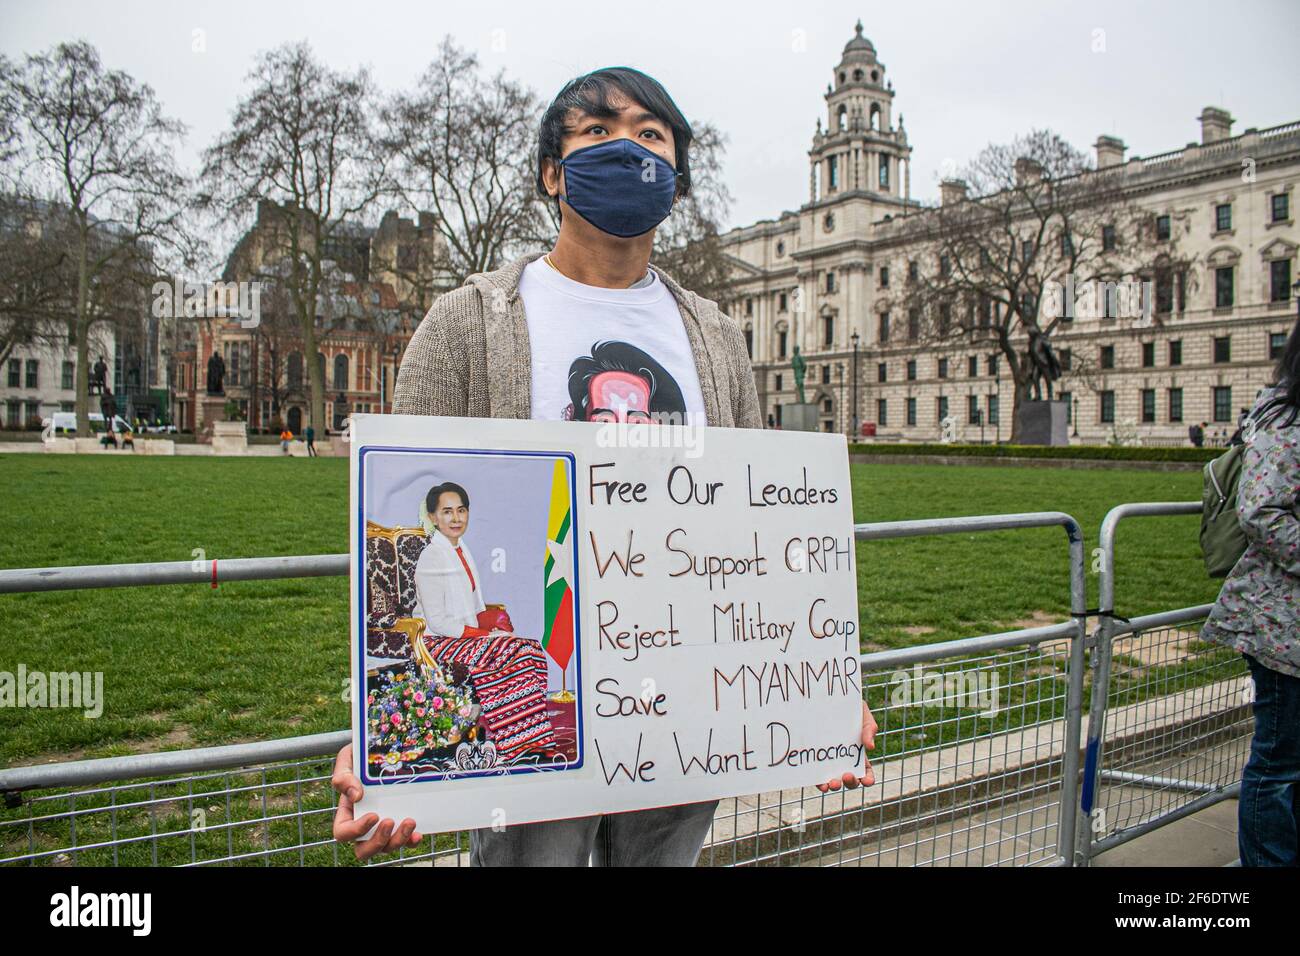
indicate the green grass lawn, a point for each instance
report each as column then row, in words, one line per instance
column 192, row 666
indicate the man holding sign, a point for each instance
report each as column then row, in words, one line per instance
column 587, row 332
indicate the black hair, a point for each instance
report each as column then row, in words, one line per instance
column 437, row 491
column 612, row 356
column 1287, row 374
column 591, row 95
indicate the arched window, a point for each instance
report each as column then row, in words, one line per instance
column 341, row 372
column 875, row 116
column 843, row 118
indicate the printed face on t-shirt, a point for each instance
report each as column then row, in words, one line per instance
column 618, row 397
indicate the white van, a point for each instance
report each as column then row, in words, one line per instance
column 65, row 423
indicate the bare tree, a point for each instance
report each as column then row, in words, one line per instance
column 95, row 145
column 464, row 147
column 302, row 137
column 1028, row 218
column 687, row 244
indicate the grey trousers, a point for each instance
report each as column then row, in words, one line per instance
column 666, row 836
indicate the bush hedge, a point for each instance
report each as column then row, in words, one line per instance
column 1085, row 452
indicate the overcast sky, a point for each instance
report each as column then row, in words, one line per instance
column 964, row 73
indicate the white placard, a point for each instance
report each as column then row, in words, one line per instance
column 713, row 644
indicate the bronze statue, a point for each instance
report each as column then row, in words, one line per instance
column 98, row 378
column 1045, row 366
column 216, row 374
column 798, row 364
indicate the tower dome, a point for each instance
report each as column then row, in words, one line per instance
column 859, row 42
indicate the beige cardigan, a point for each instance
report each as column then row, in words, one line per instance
column 470, row 356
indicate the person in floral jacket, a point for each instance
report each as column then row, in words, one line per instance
column 1258, row 614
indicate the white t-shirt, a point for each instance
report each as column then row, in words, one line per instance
column 607, row 354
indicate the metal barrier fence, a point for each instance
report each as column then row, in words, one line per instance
column 978, row 758
column 1150, row 764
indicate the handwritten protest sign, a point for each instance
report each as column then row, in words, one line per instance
column 553, row 620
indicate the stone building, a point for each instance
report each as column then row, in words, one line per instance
column 380, row 281
column 819, row 278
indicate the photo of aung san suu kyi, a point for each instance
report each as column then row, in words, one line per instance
column 468, row 596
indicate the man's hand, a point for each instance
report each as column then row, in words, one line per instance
column 350, row 830
column 848, row 781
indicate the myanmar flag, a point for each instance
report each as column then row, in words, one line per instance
column 557, row 609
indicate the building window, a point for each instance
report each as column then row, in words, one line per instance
column 1175, row 404
column 13, row 413
column 884, row 326
column 1223, row 348
column 1281, row 207
column 15, row 373
column 1148, row 355
column 972, row 366
column 32, row 368
column 830, row 281
column 913, row 324
column 941, row 407
column 1279, row 275
column 911, row 270
column 911, row 370
column 1162, row 228
column 828, row 330
column 945, row 266
column 1067, row 245
column 781, row 339
column 778, row 381
column 884, row 277
column 1069, row 409
column 749, row 306
column 782, row 303
column 972, row 409
column 1223, row 288
column 1148, row 405
column 826, row 374
column 1176, row 352
column 833, row 165
column 943, row 368
column 69, row 372
column 1164, row 282
column 1107, row 356
column 882, row 372
column 882, row 411
column 884, row 172
column 1107, row 407
column 1066, row 357
column 1107, row 238
column 826, row 405
column 1276, row 345
column 991, row 365
column 1223, row 217
column 749, row 342
column 993, row 409
column 911, row 411
column 1223, row 403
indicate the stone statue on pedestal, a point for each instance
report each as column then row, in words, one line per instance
column 216, row 375
column 799, row 365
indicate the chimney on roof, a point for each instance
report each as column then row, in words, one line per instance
column 1216, row 124
column 952, row 191
column 1028, row 171
column 1110, row 151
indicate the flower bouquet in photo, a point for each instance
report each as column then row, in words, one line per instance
column 413, row 713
